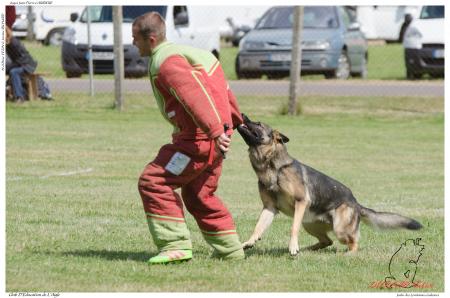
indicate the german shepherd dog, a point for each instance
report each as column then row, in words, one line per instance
column 318, row 202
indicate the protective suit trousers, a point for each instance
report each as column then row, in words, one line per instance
column 194, row 167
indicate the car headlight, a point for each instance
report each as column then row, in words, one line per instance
column 70, row 36
column 251, row 45
column 316, row 45
column 413, row 32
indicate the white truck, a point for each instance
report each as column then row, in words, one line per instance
column 184, row 25
column 385, row 22
column 424, row 44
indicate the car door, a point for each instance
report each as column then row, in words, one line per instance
column 182, row 24
column 354, row 39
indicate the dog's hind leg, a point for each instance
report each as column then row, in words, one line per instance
column 319, row 230
column 346, row 227
column 264, row 221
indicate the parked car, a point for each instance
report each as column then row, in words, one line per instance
column 20, row 26
column 332, row 44
column 184, row 25
column 424, row 43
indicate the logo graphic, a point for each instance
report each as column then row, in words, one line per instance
column 403, row 264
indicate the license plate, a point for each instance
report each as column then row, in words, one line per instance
column 438, row 53
column 280, row 57
column 102, row 55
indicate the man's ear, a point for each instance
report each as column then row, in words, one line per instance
column 280, row 137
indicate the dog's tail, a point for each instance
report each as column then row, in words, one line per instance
column 387, row 220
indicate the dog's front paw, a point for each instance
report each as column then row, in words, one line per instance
column 248, row 244
column 294, row 248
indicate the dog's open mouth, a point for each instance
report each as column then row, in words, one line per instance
column 250, row 136
column 248, row 130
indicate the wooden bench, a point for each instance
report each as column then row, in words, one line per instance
column 32, row 84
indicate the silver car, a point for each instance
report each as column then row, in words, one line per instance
column 332, row 44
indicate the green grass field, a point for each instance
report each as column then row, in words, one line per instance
column 75, row 222
column 386, row 62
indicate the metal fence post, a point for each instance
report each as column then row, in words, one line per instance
column 30, row 27
column 90, row 58
column 118, row 57
column 296, row 61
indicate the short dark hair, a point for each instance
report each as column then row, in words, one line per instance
column 151, row 23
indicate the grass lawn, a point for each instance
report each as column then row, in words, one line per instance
column 386, row 62
column 75, row 223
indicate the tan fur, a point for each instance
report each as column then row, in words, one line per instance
column 345, row 225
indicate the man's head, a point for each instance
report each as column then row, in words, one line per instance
column 149, row 30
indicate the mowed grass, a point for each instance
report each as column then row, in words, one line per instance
column 75, row 222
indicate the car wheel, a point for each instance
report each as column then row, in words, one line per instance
column 216, row 54
column 412, row 75
column 364, row 72
column 435, row 75
column 342, row 72
column 244, row 75
column 54, row 37
column 70, row 75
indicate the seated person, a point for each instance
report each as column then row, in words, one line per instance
column 21, row 63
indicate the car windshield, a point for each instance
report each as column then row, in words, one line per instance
column 313, row 17
column 103, row 14
column 432, row 12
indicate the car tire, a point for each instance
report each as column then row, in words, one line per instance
column 244, row 75
column 342, row 72
column 54, row 37
column 216, row 54
column 413, row 75
column 364, row 72
column 71, row 75
column 435, row 75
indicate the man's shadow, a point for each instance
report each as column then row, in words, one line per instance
column 110, row 255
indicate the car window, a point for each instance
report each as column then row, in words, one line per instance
column 320, row 17
column 313, row 17
column 103, row 14
column 94, row 14
column 277, row 17
column 180, row 16
column 345, row 17
column 432, row 12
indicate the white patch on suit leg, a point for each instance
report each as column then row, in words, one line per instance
column 178, row 163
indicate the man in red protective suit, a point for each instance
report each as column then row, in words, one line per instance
column 192, row 94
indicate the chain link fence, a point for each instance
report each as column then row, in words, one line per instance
column 346, row 50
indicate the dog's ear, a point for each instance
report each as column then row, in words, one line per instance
column 280, row 137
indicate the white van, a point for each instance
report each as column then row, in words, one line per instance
column 385, row 22
column 424, row 44
column 184, row 25
column 49, row 22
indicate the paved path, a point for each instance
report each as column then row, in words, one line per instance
column 277, row 88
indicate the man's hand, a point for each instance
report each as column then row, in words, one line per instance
column 223, row 142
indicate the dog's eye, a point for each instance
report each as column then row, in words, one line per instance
column 258, row 123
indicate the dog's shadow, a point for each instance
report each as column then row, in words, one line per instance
column 282, row 252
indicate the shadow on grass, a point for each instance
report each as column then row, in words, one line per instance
column 282, row 252
column 110, row 255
